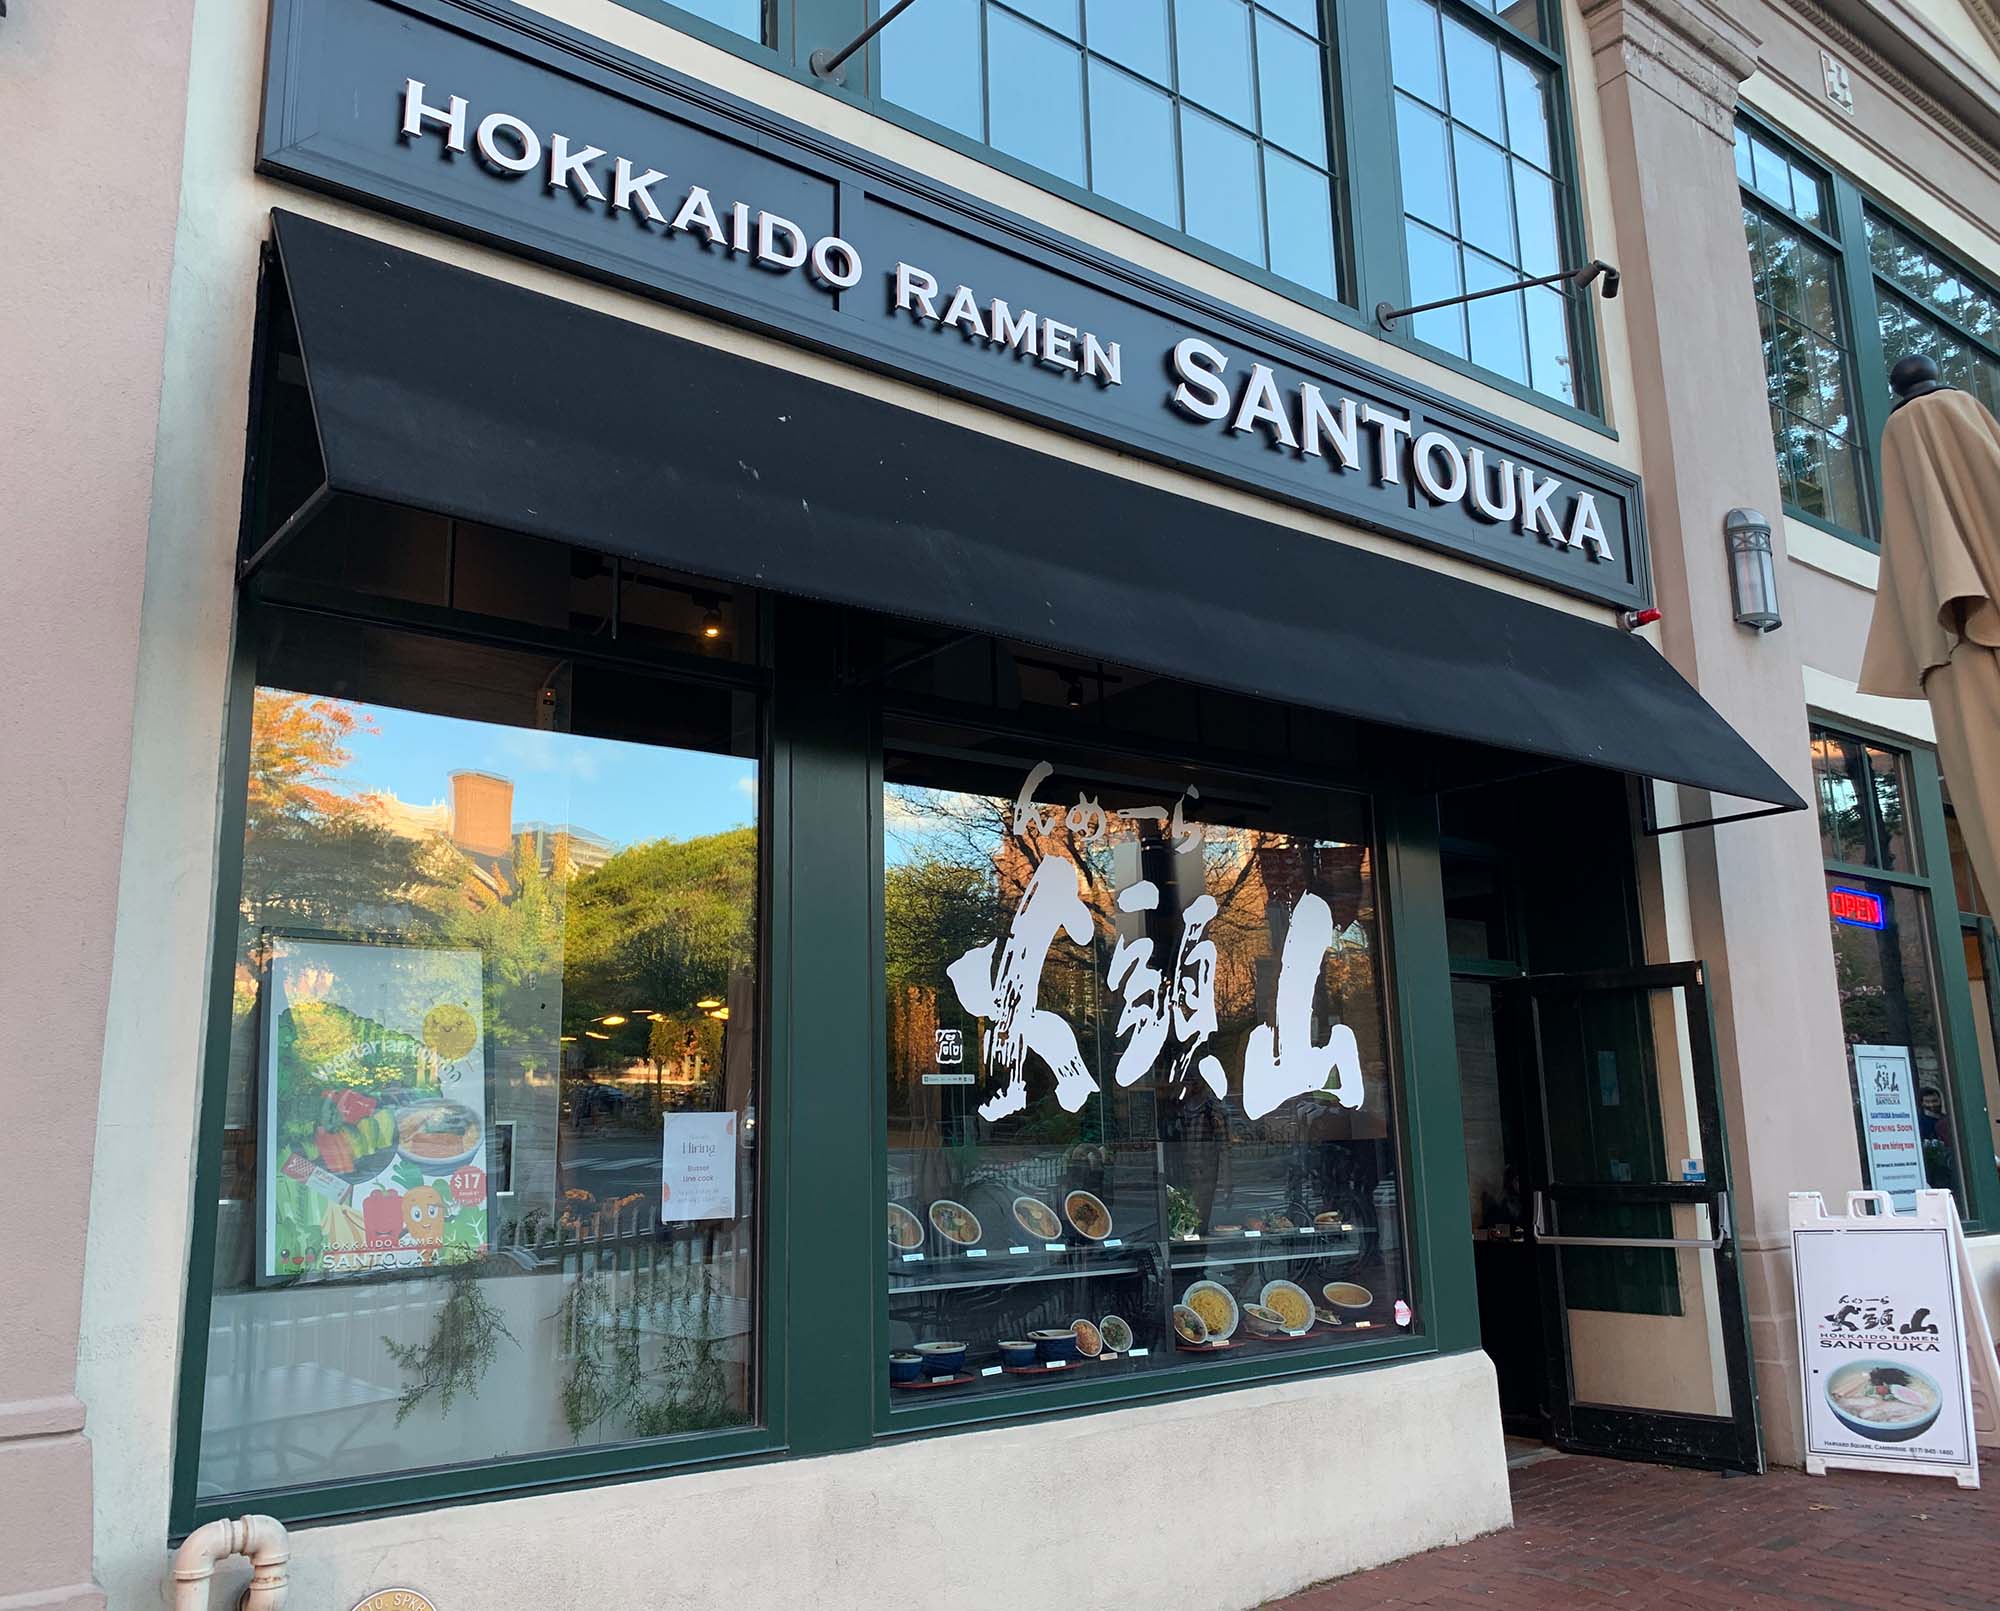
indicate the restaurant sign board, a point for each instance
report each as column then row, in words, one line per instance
column 492, row 122
column 1884, row 1315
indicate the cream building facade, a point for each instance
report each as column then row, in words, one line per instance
column 139, row 331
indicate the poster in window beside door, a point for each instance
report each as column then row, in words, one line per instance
column 374, row 1108
column 1887, row 1091
column 698, row 1167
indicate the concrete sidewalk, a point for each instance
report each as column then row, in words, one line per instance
column 1593, row 1533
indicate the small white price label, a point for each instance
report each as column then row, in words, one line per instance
column 1113, row 1241
column 913, row 1258
column 1139, row 1353
column 1253, row 1233
column 989, row 1370
column 1058, row 1364
column 1017, row 1250
column 1055, row 1247
column 975, row 1252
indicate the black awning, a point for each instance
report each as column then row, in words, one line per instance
column 446, row 390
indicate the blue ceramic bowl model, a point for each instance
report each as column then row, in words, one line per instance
column 1053, row 1345
column 942, row 1358
column 905, row 1367
column 1017, row 1354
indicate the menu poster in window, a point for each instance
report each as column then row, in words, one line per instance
column 1887, row 1090
column 374, row 1108
column 1882, row 1336
column 698, row 1167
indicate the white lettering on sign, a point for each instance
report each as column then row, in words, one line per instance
column 1000, row 981
column 1257, row 401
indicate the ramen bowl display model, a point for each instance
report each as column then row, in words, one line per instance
column 1055, row 1344
column 1037, row 1219
column 1262, row 1321
column 1884, row 1401
column 1292, row 1303
column 1116, row 1333
column 1089, row 1340
column 1348, row 1295
column 1189, row 1326
column 905, row 1367
column 906, row 1231
column 1088, row 1214
column 956, row 1223
column 942, row 1358
column 1216, row 1305
column 1017, row 1353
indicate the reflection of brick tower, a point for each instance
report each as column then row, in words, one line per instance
column 482, row 814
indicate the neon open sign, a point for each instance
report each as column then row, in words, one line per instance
column 1857, row 908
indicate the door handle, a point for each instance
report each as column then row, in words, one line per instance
column 1713, row 1244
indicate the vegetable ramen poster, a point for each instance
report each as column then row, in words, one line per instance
column 374, row 1104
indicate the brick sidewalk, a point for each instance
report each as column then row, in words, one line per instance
column 1592, row 1533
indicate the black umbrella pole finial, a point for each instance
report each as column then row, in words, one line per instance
column 1914, row 376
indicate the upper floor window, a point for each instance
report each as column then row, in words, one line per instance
column 1808, row 367
column 1483, row 185
column 1209, row 116
column 1926, row 304
column 745, row 17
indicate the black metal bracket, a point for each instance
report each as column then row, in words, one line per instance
column 1581, row 278
column 827, row 63
column 1649, row 817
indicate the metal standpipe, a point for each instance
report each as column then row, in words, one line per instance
column 262, row 1538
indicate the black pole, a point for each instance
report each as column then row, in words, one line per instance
column 826, row 64
column 1387, row 316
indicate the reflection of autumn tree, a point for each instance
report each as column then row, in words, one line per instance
column 315, row 855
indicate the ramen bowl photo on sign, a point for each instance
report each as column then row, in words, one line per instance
column 1883, row 1400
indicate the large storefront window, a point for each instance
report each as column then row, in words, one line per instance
column 491, row 1104
column 1141, row 1098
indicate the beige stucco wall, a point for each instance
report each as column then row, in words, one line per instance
column 88, row 200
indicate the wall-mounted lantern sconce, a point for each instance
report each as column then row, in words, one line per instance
column 1753, row 575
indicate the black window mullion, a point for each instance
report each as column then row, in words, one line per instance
column 1364, row 78
column 1864, row 337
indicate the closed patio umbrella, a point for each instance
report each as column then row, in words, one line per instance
column 1936, row 631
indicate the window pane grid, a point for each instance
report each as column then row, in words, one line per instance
column 1481, row 198
column 1208, row 115
column 1808, row 367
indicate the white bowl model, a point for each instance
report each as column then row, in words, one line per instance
column 1263, row 1322
column 955, row 1222
column 1117, row 1334
column 1304, row 1303
column 1189, row 1326
column 1348, row 1295
column 906, row 1231
column 1227, row 1329
column 1094, row 1221
column 1038, row 1219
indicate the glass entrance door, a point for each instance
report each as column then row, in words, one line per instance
column 1629, row 1212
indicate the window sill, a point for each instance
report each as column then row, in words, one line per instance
column 1832, row 551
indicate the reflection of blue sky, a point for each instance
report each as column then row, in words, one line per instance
column 627, row 793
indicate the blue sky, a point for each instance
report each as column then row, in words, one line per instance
column 626, row 792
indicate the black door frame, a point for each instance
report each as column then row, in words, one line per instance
column 1725, row 1442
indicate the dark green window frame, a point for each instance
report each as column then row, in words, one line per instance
column 1852, row 221
column 821, row 1388
column 1930, row 874
column 1368, row 204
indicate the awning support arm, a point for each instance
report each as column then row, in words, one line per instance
column 1649, row 817
column 284, row 534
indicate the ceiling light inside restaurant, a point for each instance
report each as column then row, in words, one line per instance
column 707, row 1003
column 612, row 1020
column 593, row 1035
column 711, row 622
column 721, row 1014
column 1073, row 693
